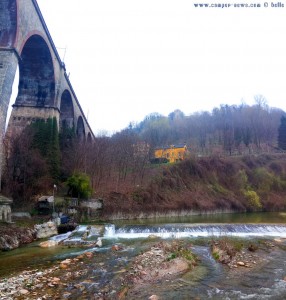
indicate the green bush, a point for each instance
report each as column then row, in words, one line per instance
column 171, row 256
column 242, row 179
column 253, row 199
column 79, row 186
column 266, row 181
column 188, row 255
column 215, row 255
column 217, row 188
column 263, row 179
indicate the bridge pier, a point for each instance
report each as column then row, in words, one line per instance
column 8, row 67
column 44, row 89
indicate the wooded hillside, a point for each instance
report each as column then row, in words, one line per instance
column 209, row 184
column 225, row 150
column 235, row 129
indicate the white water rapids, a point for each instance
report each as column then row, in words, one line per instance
column 189, row 230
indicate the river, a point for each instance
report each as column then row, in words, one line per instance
column 210, row 279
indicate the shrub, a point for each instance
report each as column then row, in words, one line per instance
column 216, row 187
column 138, row 195
column 215, row 255
column 178, row 249
column 79, row 186
column 224, row 249
column 263, row 179
column 241, row 179
column 253, row 199
column 171, row 256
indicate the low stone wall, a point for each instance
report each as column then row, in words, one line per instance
column 174, row 213
column 21, row 215
column 91, row 209
column 92, row 204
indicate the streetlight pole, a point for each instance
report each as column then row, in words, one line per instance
column 54, row 188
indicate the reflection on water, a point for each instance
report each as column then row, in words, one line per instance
column 31, row 256
column 258, row 217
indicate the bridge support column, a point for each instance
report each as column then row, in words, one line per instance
column 8, row 67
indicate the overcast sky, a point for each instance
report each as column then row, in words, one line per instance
column 128, row 58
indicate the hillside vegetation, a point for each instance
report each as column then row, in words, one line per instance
column 249, row 183
column 226, row 169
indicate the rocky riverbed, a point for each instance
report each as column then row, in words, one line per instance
column 87, row 277
column 41, row 284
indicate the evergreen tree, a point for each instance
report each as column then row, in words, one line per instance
column 27, row 171
column 53, row 153
column 67, row 137
column 79, row 186
column 282, row 133
column 46, row 139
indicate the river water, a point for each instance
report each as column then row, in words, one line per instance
column 210, row 279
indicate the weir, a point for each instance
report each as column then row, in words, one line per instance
column 84, row 233
column 195, row 230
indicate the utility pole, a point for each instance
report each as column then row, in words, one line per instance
column 54, row 188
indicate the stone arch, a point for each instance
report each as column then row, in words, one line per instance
column 8, row 22
column 80, row 130
column 66, row 111
column 36, row 74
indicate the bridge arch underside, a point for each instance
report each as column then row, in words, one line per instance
column 67, row 111
column 80, row 130
column 8, row 22
column 36, row 75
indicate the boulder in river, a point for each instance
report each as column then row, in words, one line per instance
column 11, row 237
column 46, row 230
column 48, row 244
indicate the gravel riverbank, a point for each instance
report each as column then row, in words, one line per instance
column 161, row 261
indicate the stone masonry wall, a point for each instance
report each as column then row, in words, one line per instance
column 23, row 116
column 8, row 66
column 29, row 21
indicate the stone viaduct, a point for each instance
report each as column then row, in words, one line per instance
column 44, row 89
